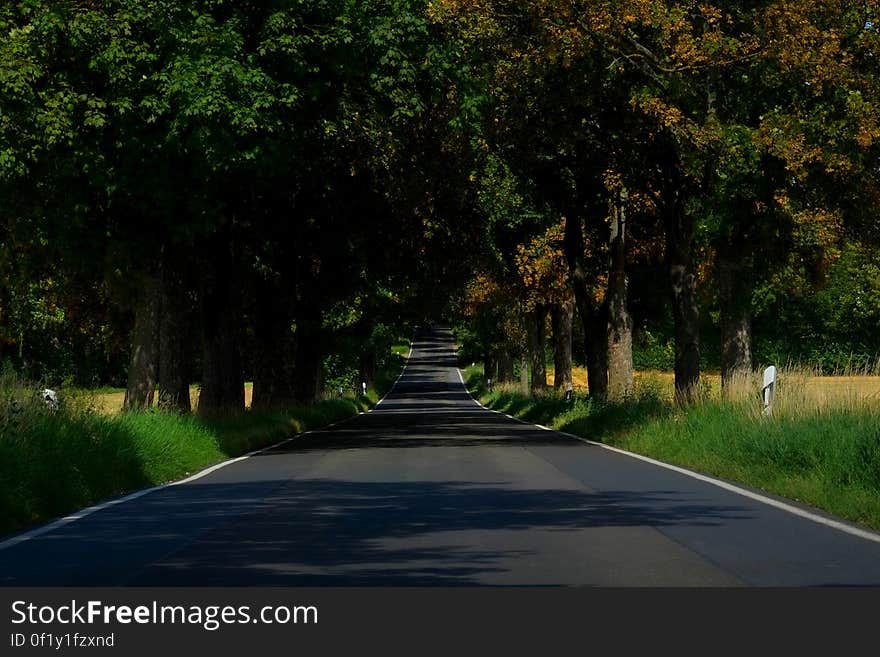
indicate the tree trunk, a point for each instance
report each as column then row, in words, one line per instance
column 274, row 348
column 736, row 320
column 620, row 360
column 490, row 368
column 593, row 316
column 173, row 336
column 685, row 312
column 505, row 367
column 597, row 352
column 222, row 385
column 307, row 382
column 537, row 335
column 562, row 316
column 367, row 366
column 143, row 366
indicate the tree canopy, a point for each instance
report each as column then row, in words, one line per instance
column 213, row 190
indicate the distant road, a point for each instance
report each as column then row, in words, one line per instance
column 431, row 489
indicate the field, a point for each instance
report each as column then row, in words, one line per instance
column 821, row 446
column 820, row 390
column 110, row 400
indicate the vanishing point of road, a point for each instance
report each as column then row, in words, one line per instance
column 430, row 489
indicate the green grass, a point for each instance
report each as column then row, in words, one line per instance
column 401, row 349
column 825, row 456
column 54, row 463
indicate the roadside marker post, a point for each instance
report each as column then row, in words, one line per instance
column 50, row 397
column 768, row 390
column 569, row 392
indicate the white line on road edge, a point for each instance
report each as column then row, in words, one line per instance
column 82, row 513
column 412, row 344
column 769, row 501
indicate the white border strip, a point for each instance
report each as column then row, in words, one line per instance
column 769, row 501
column 412, row 344
column 82, row 513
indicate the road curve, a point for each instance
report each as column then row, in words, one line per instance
column 431, row 489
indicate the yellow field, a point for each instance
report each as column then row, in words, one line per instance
column 663, row 380
column 111, row 402
column 821, row 391
column 802, row 385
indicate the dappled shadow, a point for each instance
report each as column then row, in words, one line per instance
column 426, row 427
column 395, row 533
column 334, row 532
column 341, row 507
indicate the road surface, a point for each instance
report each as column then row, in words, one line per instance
column 431, row 489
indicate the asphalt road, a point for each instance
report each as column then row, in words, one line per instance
column 430, row 489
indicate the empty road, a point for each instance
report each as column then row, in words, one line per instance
column 431, row 489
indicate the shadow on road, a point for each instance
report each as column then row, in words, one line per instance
column 329, row 532
column 337, row 532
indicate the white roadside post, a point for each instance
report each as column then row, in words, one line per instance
column 364, row 387
column 769, row 389
column 51, row 399
column 569, row 391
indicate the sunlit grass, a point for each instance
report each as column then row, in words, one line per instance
column 820, row 446
column 53, row 462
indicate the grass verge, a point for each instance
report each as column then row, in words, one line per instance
column 52, row 463
column 826, row 455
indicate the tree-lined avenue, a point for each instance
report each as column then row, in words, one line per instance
column 431, row 489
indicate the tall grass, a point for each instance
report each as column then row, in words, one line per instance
column 53, row 462
column 820, row 446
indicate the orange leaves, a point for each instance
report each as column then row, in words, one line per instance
column 541, row 266
column 866, row 116
column 815, row 230
column 867, row 134
column 818, row 228
column 803, row 140
column 613, row 182
column 479, row 291
column 807, row 38
column 666, row 115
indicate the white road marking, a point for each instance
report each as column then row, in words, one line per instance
column 412, row 344
column 803, row 513
column 769, row 501
column 82, row 513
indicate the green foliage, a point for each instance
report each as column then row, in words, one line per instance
column 837, row 328
column 349, row 159
column 140, row 134
column 653, row 351
column 358, row 358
